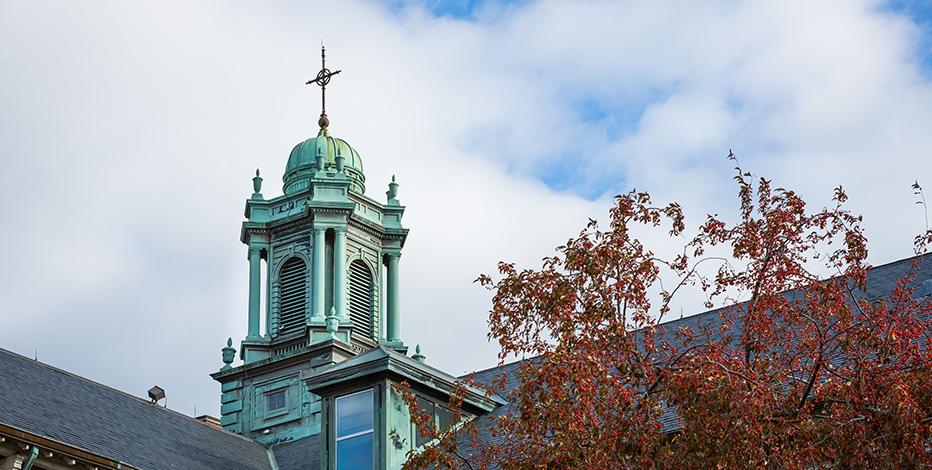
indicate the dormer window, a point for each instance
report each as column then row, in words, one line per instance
column 355, row 431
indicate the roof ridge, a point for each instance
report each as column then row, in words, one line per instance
column 501, row 365
column 734, row 304
column 902, row 260
column 107, row 387
column 671, row 322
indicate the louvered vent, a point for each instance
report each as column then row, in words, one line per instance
column 360, row 298
column 292, row 296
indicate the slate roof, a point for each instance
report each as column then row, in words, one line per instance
column 299, row 454
column 55, row 404
column 881, row 281
column 42, row 400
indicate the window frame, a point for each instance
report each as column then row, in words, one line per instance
column 437, row 407
column 336, row 424
column 270, row 413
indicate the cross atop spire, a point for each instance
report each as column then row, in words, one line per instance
column 323, row 78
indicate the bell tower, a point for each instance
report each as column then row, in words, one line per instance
column 324, row 262
column 330, row 255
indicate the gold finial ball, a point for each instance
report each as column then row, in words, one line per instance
column 323, row 122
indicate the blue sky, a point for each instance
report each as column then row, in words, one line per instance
column 130, row 134
column 619, row 118
column 919, row 11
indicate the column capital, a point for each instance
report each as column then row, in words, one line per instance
column 393, row 254
column 254, row 252
column 340, row 229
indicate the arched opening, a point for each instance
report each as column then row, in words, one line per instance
column 361, row 297
column 292, row 296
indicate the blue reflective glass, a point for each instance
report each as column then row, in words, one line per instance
column 356, row 453
column 354, row 413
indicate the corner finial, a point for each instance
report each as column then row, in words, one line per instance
column 323, row 78
column 392, row 192
column 228, row 354
column 320, row 158
column 333, row 322
column 257, row 186
column 339, row 160
column 417, row 355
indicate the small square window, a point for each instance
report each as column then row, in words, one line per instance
column 275, row 401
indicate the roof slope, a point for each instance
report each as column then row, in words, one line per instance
column 881, row 281
column 42, row 400
column 298, row 454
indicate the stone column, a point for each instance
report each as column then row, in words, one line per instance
column 393, row 327
column 339, row 271
column 319, row 274
column 255, row 265
column 268, row 291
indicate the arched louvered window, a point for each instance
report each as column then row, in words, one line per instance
column 360, row 298
column 292, row 296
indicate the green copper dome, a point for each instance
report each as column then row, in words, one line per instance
column 302, row 164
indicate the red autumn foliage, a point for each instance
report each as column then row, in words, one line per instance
column 803, row 373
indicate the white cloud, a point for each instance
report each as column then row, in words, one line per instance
column 129, row 135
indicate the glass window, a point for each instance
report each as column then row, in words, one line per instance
column 355, row 431
column 425, row 406
column 275, row 400
column 444, row 418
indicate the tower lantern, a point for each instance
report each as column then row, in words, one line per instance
column 323, row 277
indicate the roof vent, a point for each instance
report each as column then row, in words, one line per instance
column 156, row 393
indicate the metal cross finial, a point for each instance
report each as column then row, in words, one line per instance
column 323, row 78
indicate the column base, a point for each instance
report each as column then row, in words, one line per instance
column 318, row 336
column 254, row 349
column 395, row 344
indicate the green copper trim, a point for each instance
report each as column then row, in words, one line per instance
column 319, row 273
column 316, row 155
column 393, row 328
column 339, row 272
column 255, row 266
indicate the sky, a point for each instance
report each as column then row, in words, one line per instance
column 130, row 131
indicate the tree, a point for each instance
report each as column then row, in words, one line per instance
column 803, row 372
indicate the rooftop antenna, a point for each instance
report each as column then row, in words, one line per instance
column 323, row 78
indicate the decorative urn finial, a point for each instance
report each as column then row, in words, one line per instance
column 417, row 355
column 392, row 192
column 257, row 186
column 339, row 160
column 320, row 159
column 228, row 354
column 333, row 322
